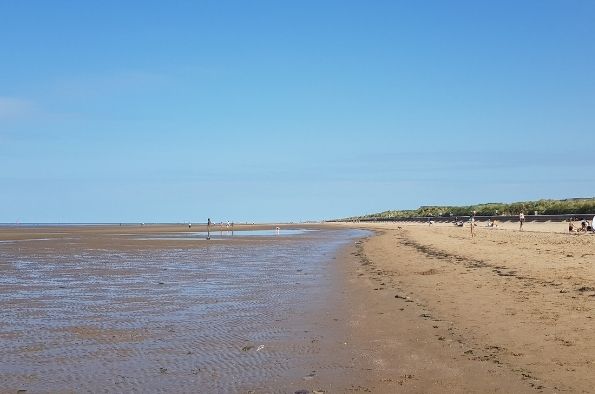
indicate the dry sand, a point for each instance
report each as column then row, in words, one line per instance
column 424, row 309
column 506, row 311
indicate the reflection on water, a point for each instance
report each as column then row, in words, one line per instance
column 197, row 235
column 77, row 319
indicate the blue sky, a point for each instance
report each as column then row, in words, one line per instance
column 290, row 110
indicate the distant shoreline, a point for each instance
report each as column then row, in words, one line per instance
column 502, row 218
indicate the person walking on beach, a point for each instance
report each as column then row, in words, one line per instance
column 521, row 221
column 472, row 221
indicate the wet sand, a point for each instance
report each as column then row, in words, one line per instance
column 411, row 309
column 158, row 309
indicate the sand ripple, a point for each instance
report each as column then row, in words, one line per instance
column 79, row 318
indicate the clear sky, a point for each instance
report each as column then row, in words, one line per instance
column 152, row 111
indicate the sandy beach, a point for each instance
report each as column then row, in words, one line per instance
column 506, row 311
column 306, row 197
column 410, row 308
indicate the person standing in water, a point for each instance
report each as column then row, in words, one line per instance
column 521, row 221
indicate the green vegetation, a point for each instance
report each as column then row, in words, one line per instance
column 542, row 207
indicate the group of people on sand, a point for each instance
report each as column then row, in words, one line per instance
column 584, row 227
column 473, row 223
column 491, row 223
column 585, row 224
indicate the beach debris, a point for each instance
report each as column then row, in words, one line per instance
column 431, row 271
column 320, row 391
column 404, row 378
column 360, row 388
column 259, row 348
column 247, row 348
column 163, row 370
column 310, row 376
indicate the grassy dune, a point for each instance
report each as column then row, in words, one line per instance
column 541, row 207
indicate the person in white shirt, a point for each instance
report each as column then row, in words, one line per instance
column 521, row 221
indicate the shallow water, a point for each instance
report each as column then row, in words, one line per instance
column 225, row 234
column 207, row 318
